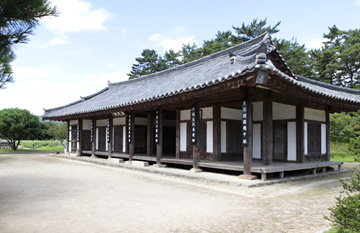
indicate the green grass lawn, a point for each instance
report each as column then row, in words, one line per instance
column 36, row 146
column 340, row 153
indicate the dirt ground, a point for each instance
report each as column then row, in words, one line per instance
column 40, row 193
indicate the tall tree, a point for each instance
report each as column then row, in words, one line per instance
column 296, row 57
column 190, row 52
column 338, row 61
column 223, row 40
column 18, row 19
column 56, row 130
column 254, row 29
column 18, row 124
column 149, row 62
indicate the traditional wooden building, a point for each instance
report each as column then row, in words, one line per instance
column 240, row 109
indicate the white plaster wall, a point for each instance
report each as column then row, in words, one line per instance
column 314, row 114
column 291, row 137
column 223, row 137
column 101, row 123
column 231, row 113
column 283, row 111
column 124, row 139
column 140, row 121
column 323, row 138
column 119, row 121
column 209, row 137
column 74, row 122
column 258, row 111
column 185, row 115
column 305, row 138
column 86, row 125
column 257, row 141
column 207, row 113
column 183, row 136
column 97, row 139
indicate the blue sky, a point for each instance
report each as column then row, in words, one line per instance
column 92, row 42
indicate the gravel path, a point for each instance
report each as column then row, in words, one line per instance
column 40, row 193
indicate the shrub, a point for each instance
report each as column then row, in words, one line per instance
column 345, row 215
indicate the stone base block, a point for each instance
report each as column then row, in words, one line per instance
column 159, row 165
column 195, row 170
column 138, row 163
column 247, row 177
column 115, row 160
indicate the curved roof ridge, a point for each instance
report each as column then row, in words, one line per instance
column 64, row 106
column 78, row 101
column 328, row 85
column 265, row 37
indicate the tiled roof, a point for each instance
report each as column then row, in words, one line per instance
column 191, row 76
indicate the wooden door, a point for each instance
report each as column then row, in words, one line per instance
column 280, row 141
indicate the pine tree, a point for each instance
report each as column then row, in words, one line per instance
column 18, row 19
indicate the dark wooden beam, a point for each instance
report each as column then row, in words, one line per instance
column 177, row 151
column 267, row 131
column 217, row 133
column 132, row 133
column 327, row 135
column 93, row 136
column 300, row 133
column 159, row 145
column 248, row 149
column 150, row 134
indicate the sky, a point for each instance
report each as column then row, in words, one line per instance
column 93, row 42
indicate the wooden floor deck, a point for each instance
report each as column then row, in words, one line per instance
column 257, row 165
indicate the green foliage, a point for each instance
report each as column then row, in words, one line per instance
column 56, row 130
column 345, row 215
column 18, row 19
column 344, row 126
column 338, row 60
column 254, row 29
column 354, row 148
column 18, row 124
column 296, row 57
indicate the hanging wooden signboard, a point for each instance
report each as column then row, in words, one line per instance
column 108, row 130
column 245, row 138
column 130, row 128
column 157, row 127
column 193, row 125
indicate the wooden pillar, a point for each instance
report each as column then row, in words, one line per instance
column 248, row 147
column 267, row 131
column 177, row 153
column 300, row 133
column 109, row 136
column 327, row 135
column 195, row 137
column 79, row 138
column 93, row 137
column 131, row 136
column 217, row 133
column 159, row 138
column 150, row 134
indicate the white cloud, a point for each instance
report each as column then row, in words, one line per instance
column 357, row 2
column 154, row 37
column 60, row 39
column 36, row 88
column 75, row 16
column 314, row 43
column 171, row 43
column 124, row 32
